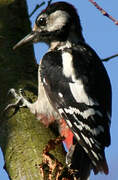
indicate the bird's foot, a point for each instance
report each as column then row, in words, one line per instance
column 20, row 100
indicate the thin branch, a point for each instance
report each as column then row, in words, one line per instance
column 49, row 2
column 35, row 9
column 111, row 57
column 104, row 12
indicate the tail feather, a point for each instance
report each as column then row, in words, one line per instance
column 105, row 167
column 79, row 161
column 77, row 158
column 101, row 167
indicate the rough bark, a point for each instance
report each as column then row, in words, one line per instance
column 22, row 137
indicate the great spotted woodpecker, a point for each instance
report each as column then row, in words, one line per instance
column 74, row 88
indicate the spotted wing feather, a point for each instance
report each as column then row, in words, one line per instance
column 82, row 97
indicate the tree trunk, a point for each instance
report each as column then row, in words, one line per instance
column 22, row 137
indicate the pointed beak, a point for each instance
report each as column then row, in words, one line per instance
column 27, row 39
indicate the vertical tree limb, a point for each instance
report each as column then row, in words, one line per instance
column 22, row 137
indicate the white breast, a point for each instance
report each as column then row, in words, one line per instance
column 43, row 105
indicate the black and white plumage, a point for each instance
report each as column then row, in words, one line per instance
column 79, row 95
column 74, row 85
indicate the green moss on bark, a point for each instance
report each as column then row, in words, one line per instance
column 22, row 137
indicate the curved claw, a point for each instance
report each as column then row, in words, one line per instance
column 20, row 100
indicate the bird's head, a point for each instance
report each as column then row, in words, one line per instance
column 58, row 22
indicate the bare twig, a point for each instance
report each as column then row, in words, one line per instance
column 111, row 57
column 35, row 9
column 49, row 2
column 104, row 12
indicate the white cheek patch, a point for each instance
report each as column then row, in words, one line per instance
column 57, row 20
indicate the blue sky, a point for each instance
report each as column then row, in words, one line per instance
column 102, row 35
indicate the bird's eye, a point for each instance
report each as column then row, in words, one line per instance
column 41, row 22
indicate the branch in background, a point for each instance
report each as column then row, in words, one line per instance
column 35, row 9
column 111, row 57
column 104, row 12
column 38, row 6
column 49, row 2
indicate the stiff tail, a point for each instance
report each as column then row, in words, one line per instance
column 101, row 166
column 78, row 160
